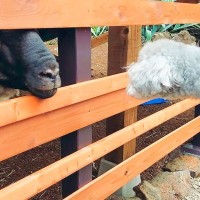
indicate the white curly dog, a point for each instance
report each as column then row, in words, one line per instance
column 166, row 68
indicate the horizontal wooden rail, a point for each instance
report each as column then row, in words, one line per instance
column 32, row 132
column 99, row 40
column 55, row 172
column 115, row 178
column 29, row 106
column 69, row 13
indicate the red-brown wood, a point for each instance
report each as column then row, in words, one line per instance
column 17, row 14
column 53, row 173
column 128, row 169
column 29, row 106
column 26, row 134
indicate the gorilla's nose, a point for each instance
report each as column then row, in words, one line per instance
column 51, row 72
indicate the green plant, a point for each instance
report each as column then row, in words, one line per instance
column 149, row 31
column 98, row 30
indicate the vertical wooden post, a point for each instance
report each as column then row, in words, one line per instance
column 130, row 116
column 123, row 46
column 117, row 59
column 75, row 66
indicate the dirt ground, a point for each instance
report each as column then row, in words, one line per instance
column 26, row 163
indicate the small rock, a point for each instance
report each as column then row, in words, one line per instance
column 194, row 195
column 150, row 192
column 185, row 37
column 185, row 162
column 166, row 185
column 161, row 35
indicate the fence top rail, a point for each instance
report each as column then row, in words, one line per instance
column 16, row 14
column 29, row 106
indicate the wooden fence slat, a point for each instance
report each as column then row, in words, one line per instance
column 99, row 40
column 117, row 59
column 55, row 172
column 130, row 115
column 19, row 108
column 48, row 14
column 118, row 176
column 123, row 48
column 26, row 134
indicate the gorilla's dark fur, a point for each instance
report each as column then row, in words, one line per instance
column 26, row 63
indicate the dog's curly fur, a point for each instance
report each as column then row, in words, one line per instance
column 166, row 68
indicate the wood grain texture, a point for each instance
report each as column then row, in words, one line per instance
column 29, row 106
column 29, row 133
column 118, row 176
column 117, row 60
column 55, row 172
column 123, row 47
column 99, row 40
column 15, row 14
column 130, row 116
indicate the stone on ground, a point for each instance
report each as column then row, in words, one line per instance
column 168, row 185
column 185, row 162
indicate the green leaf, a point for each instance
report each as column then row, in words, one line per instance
column 148, row 35
column 93, row 32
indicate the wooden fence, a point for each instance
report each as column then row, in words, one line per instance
column 30, row 122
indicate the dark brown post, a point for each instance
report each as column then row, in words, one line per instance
column 117, row 59
column 123, row 46
column 75, row 66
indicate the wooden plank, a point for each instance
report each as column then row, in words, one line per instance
column 135, row 43
column 130, row 116
column 26, row 134
column 48, row 13
column 99, row 40
column 29, row 106
column 117, row 60
column 123, row 48
column 118, row 176
column 53, row 173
